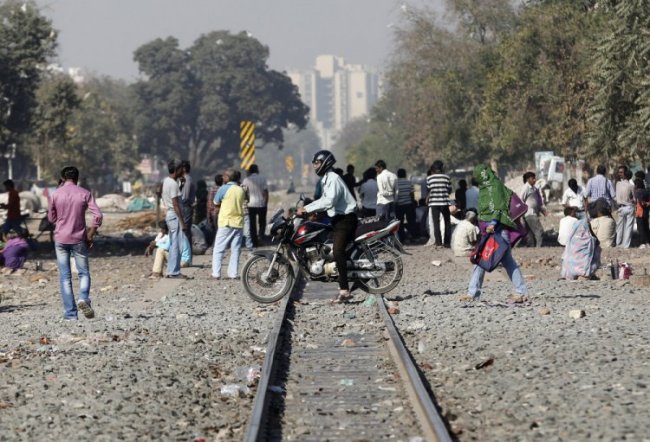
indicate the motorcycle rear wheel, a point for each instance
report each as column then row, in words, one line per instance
column 392, row 275
column 265, row 289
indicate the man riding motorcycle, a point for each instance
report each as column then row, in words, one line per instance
column 340, row 205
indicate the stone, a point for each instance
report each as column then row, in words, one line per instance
column 544, row 311
column 577, row 314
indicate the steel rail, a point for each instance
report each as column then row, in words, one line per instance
column 260, row 402
column 431, row 421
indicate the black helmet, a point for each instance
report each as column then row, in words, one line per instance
column 327, row 161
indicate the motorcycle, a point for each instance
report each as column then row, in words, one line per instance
column 373, row 258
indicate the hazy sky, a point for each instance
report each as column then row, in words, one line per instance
column 101, row 35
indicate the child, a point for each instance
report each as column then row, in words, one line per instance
column 161, row 245
column 566, row 224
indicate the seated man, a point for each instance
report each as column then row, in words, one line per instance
column 161, row 246
column 566, row 224
column 465, row 235
column 14, row 252
column 604, row 227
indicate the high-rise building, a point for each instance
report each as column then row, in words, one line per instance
column 336, row 93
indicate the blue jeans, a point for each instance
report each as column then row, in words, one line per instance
column 226, row 236
column 80, row 253
column 514, row 273
column 175, row 243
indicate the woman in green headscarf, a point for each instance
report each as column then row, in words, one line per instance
column 493, row 197
column 494, row 208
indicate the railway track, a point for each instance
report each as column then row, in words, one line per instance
column 340, row 372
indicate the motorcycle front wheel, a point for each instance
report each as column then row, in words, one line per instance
column 390, row 277
column 266, row 286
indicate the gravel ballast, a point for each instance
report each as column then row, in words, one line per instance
column 152, row 363
column 156, row 357
column 535, row 371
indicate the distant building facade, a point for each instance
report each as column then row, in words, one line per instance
column 336, row 93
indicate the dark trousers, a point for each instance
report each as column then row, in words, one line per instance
column 343, row 227
column 368, row 212
column 258, row 223
column 407, row 211
column 187, row 219
column 435, row 214
column 643, row 229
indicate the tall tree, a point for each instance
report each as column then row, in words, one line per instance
column 27, row 39
column 620, row 123
column 193, row 100
column 537, row 90
column 57, row 101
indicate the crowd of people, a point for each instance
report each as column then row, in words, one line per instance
column 231, row 214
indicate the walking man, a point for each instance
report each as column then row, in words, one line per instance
column 171, row 197
column 258, row 194
column 626, row 206
column 229, row 200
column 67, row 211
column 386, row 190
column 533, row 198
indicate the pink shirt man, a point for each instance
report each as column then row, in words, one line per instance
column 67, row 210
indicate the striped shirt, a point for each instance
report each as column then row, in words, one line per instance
column 600, row 187
column 256, row 185
column 439, row 187
column 404, row 190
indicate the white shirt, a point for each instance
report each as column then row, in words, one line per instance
column 170, row 190
column 336, row 197
column 256, row 185
column 566, row 227
column 464, row 238
column 368, row 192
column 386, row 187
column 572, row 199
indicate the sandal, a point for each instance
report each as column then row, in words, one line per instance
column 178, row 276
column 343, row 296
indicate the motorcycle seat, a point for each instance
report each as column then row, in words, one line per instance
column 375, row 230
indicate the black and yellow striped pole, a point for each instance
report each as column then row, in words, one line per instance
column 247, row 144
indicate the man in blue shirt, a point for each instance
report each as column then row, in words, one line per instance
column 340, row 205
